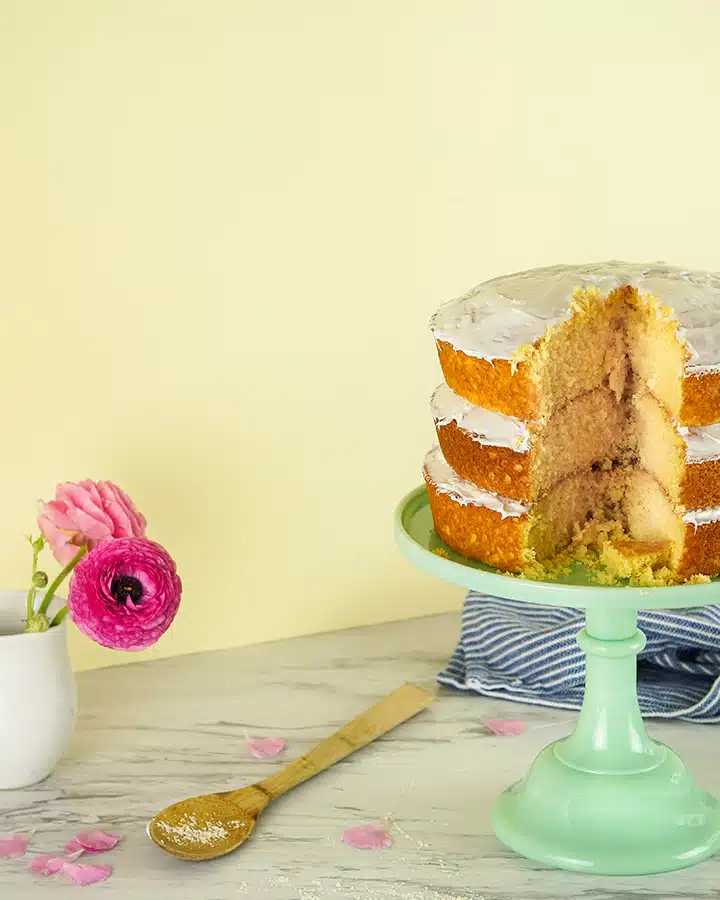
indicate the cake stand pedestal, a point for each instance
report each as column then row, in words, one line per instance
column 607, row 799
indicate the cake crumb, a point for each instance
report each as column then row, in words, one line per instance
column 610, row 557
column 698, row 579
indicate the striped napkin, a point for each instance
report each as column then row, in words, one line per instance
column 528, row 653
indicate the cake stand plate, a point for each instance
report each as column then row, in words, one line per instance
column 607, row 799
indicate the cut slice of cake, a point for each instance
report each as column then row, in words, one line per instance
column 576, row 395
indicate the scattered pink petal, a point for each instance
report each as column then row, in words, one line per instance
column 81, row 874
column 78, row 873
column 50, row 865
column 92, row 841
column 38, row 865
column 262, row 748
column 367, row 837
column 505, row 727
column 14, row 847
column 54, row 865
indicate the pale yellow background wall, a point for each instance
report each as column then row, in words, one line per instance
column 224, row 225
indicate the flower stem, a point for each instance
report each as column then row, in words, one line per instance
column 37, row 547
column 47, row 600
column 59, row 616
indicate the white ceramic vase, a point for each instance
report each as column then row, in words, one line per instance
column 38, row 697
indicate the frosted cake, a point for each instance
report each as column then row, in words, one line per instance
column 581, row 409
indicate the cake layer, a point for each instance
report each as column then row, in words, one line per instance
column 701, row 550
column 523, row 343
column 501, row 532
column 491, row 468
column 700, row 397
column 520, row 460
column 511, row 389
column 497, row 318
column 572, row 359
column 685, row 461
column 509, row 535
column 493, row 384
column 484, row 426
column 479, row 532
column 695, row 536
column 446, row 481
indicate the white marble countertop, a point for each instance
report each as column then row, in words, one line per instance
column 152, row 733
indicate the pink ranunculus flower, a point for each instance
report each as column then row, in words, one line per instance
column 86, row 514
column 124, row 594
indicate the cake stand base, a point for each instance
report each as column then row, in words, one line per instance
column 638, row 823
column 607, row 799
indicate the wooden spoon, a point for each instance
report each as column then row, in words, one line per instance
column 212, row 825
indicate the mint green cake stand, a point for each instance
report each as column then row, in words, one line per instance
column 607, row 799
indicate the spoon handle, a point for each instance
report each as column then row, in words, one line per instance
column 397, row 707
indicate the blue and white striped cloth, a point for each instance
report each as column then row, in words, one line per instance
column 528, row 653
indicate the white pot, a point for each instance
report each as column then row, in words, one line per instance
column 38, row 697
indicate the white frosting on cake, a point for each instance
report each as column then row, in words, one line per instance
column 702, row 516
column 447, row 481
column 483, row 425
column 495, row 429
column 703, row 444
column 497, row 317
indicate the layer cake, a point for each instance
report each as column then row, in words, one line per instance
column 576, row 397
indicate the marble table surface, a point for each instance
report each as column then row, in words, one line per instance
column 151, row 733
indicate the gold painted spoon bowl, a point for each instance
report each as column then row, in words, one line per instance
column 212, row 825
